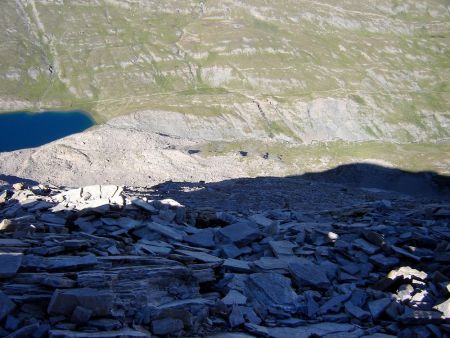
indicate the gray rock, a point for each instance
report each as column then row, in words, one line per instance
column 378, row 306
column 273, row 290
column 236, row 317
column 407, row 273
column 231, row 251
column 282, row 248
column 306, row 273
column 415, row 317
column 81, row 315
column 313, row 330
column 334, row 303
column 167, row 326
column 444, row 308
column 52, row 218
column 166, row 231
column 261, row 220
column 106, row 324
column 144, row 205
column 11, row 323
column 234, row 297
column 237, row 265
column 65, row 301
column 9, row 264
column 124, row 333
column 25, row 331
column 240, row 233
column 366, row 246
column 203, row 238
column 201, row 256
column 356, row 311
column 6, row 305
column 58, row 263
column 383, row 262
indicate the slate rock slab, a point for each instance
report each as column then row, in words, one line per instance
column 167, row 326
column 9, row 264
column 64, row 302
column 306, row 273
column 240, row 233
column 203, row 238
column 6, row 305
column 58, row 263
column 273, row 290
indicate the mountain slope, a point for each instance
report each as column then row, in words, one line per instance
column 300, row 71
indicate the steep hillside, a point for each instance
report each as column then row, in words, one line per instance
column 300, row 71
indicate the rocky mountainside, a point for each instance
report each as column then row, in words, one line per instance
column 109, row 261
column 129, row 151
column 297, row 71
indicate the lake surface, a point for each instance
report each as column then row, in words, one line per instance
column 26, row 130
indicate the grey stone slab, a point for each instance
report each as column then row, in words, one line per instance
column 313, row 330
column 444, row 308
column 52, row 218
column 144, row 205
column 58, row 263
column 377, row 307
column 309, row 274
column 237, row 265
column 201, row 256
column 282, row 248
column 12, row 242
column 366, row 246
column 167, row 231
column 6, row 305
column 124, row 333
column 64, row 302
column 236, row 317
column 203, row 238
column 240, row 233
column 234, row 297
column 383, row 262
column 231, row 250
column 166, row 326
column 273, row 290
column 9, row 264
column 81, row 315
column 356, row 311
column 334, row 303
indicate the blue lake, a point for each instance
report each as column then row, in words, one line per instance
column 25, row 130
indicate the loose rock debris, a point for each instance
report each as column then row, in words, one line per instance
column 100, row 262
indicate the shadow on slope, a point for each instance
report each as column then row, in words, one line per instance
column 340, row 187
column 366, row 175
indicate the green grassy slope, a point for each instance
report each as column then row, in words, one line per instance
column 385, row 62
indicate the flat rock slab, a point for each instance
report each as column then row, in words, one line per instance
column 313, row 330
column 125, row 333
column 240, row 233
column 201, row 256
column 272, row 289
column 6, row 305
column 282, row 248
column 64, row 302
column 166, row 231
column 203, row 238
column 309, row 274
column 9, row 264
column 58, row 263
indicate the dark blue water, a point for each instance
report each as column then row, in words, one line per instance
column 27, row 130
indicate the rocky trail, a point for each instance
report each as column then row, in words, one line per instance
column 269, row 258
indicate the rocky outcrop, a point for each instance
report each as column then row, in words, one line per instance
column 106, row 261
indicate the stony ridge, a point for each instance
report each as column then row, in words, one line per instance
column 106, row 261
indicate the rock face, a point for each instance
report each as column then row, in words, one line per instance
column 107, row 261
